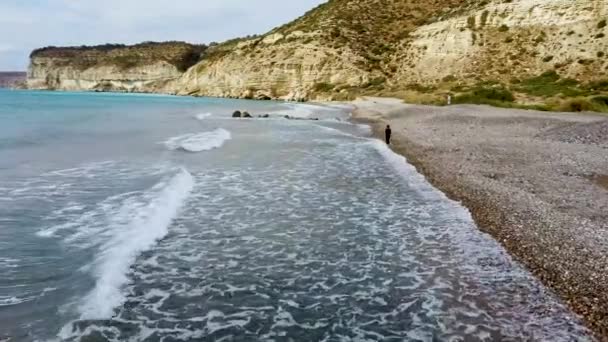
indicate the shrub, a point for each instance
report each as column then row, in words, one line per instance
column 550, row 84
column 126, row 62
column 323, row 87
column 484, row 18
column 598, row 85
column 345, row 96
column 377, row 81
column 582, row 104
column 421, row 88
column 471, row 23
column 515, row 80
column 414, row 97
column 601, row 24
column 577, row 105
column 540, row 39
column 498, row 94
column 503, row 28
column 481, row 95
column 548, row 59
column 602, row 100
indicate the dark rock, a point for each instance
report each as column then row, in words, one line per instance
column 246, row 115
column 263, row 97
column 237, row 114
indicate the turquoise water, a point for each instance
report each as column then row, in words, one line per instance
column 148, row 218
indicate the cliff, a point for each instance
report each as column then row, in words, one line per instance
column 11, row 79
column 509, row 39
column 346, row 48
column 146, row 67
column 337, row 48
column 478, row 50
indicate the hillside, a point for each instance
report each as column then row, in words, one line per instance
column 548, row 54
column 332, row 50
column 543, row 54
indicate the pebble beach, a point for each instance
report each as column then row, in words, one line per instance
column 535, row 181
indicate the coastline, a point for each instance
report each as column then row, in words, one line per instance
column 535, row 181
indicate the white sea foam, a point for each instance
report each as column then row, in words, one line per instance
column 365, row 129
column 138, row 226
column 202, row 116
column 416, row 180
column 198, row 142
column 299, row 110
column 9, row 301
column 406, row 242
column 296, row 110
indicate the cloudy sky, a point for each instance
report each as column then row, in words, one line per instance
column 28, row 24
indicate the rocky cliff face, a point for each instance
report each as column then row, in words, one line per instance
column 148, row 67
column 276, row 66
column 46, row 73
column 503, row 40
column 349, row 47
column 356, row 46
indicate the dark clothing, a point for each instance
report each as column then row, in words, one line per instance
column 388, row 132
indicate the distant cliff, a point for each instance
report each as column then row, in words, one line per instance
column 146, row 67
column 476, row 50
column 11, row 79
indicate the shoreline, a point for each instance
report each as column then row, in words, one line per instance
column 285, row 100
column 523, row 186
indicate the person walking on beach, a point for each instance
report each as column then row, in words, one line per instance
column 388, row 132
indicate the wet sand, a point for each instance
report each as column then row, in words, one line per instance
column 536, row 181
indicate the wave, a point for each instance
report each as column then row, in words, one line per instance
column 9, row 301
column 202, row 116
column 198, row 142
column 136, row 227
column 303, row 111
column 415, row 179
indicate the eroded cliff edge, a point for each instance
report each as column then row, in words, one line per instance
column 146, row 67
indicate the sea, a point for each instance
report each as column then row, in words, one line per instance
column 128, row 217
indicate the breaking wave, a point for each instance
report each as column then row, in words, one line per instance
column 137, row 224
column 202, row 116
column 198, row 142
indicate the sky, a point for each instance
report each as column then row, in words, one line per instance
column 29, row 24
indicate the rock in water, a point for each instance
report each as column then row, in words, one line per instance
column 237, row 114
column 246, row 115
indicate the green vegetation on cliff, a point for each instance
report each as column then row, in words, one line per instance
column 181, row 55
